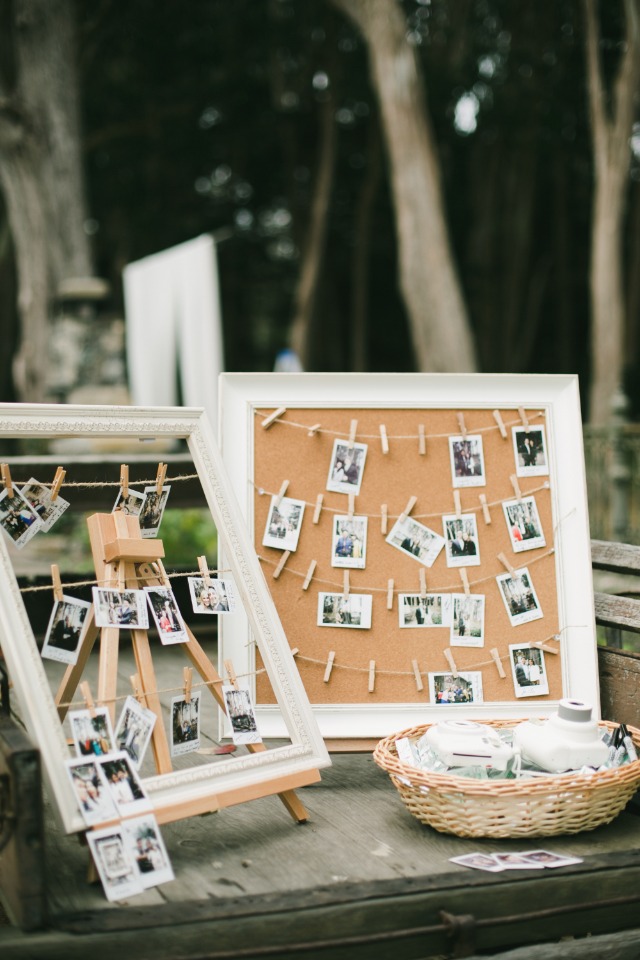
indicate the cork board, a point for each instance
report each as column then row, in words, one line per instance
column 388, row 664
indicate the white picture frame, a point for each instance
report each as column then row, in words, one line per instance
column 193, row 788
column 241, row 395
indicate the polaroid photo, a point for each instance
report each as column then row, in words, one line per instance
column 283, row 524
column 241, row 715
column 467, row 622
column 462, row 544
column 47, row 509
column 185, row 724
column 530, row 451
column 446, row 688
column 467, row 461
column 218, row 597
column 336, row 610
column 131, row 505
column 67, row 626
column 347, row 467
column 91, row 791
column 150, row 515
column 168, row 619
column 18, row 519
column 523, row 524
column 133, row 730
column 415, row 540
column 146, row 848
column 432, row 610
column 123, row 783
column 549, row 859
column 516, row 861
column 120, row 608
column 92, row 736
column 478, row 861
column 110, row 849
column 520, row 599
column 349, row 542
column 529, row 671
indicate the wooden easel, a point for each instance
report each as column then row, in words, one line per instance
column 124, row 560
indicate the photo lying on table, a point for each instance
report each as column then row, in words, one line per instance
column 18, row 519
column 516, row 861
column 347, row 467
column 67, row 626
column 349, row 542
column 150, row 515
column 133, row 730
column 478, row 861
column 449, row 688
column 218, row 596
column 283, row 524
column 92, row 736
column 415, row 540
column 336, row 610
column 131, row 505
column 244, row 728
column 549, row 859
column 91, row 791
column 39, row 497
column 168, row 619
column 432, row 610
column 123, row 783
column 461, row 534
column 146, row 846
column 114, row 862
column 530, row 450
column 529, row 671
column 120, row 608
column 185, row 724
column 520, row 599
column 467, row 461
column 467, row 624
column 523, row 524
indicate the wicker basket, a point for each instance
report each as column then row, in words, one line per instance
column 540, row 807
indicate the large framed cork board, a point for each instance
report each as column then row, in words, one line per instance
column 446, row 569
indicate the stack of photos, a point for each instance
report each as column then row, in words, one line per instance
column 432, row 610
column 523, row 524
column 131, row 505
column 347, row 467
column 283, row 524
column 467, row 625
column 152, row 510
column 133, row 730
column 520, row 599
column 336, row 610
column 461, row 534
column 241, row 715
column 185, row 724
column 467, row 461
column 47, row 509
column 349, row 542
column 168, row 619
column 18, row 519
column 526, row 860
column 218, row 596
column 463, row 688
column 529, row 671
column 415, row 540
column 120, row 608
column 92, row 735
column 530, row 451
column 130, row 857
column 67, row 626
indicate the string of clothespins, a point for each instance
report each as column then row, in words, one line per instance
column 99, row 583
column 59, row 482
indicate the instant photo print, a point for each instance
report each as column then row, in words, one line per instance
column 39, row 497
column 349, row 542
column 347, row 467
column 283, row 524
column 216, row 597
column 185, row 724
column 166, row 615
column 120, row 608
column 66, row 629
column 350, row 613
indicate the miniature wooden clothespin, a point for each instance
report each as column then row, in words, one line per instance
column 318, row 509
column 134, row 680
column 124, row 480
column 542, row 645
column 280, row 494
column 352, row 434
column 384, row 440
column 461, row 424
column 352, row 505
column 309, row 576
column 6, row 476
column 423, row 583
column 161, row 474
column 57, row 583
column 498, row 419
column 516, row 486
column 384, row 519
column 283, row 559
column 372, row 675
column 485, row 508
column 187, row 674
column 422, row 440
column 495, row 656
column 231, row 674
column 266, row 423
column 523, row 417
column 345, row 584
column 294, row 651
column 389, row 594
column 203, row 566
column 452, row 664
column 85, row 690
column 57, row 483
column 407, row 510
column 416, row 673
column 456, row 501
column 313, row 430
column 505, row 563
column 465, row 581
column 162, row 573
column 329, row 667
column 122, row 575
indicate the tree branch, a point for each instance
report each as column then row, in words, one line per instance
column 594, row 81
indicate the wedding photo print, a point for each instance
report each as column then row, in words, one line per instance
column 18, row 519
column 415, row 540
column 283, row 524
column 519, row 596
column 347, row 467
column 152, row 511
column 218, row 596
column 352, row 612
column 120, row 608
column 529, row 672
column 118, row 874
column 241, row 715
column 462, row 548
column 167, row 617
column 92, row 735
column 131, row 505
column 467, row 625
column 467, row 461
column 349, row 542
column 39, row 498
column 66, row 629
column 530, row 449
column 185, row 724
column 523, row 524
column 445, row 688
column 146, row 846
column 133, row 730
column 127, row 792
column 91, row 791
column 428, row 611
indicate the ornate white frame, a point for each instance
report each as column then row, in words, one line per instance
column 248, row 773
column 558, row 395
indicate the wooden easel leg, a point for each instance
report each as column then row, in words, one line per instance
column 108, row 669
column 144, row 665
column 74, row 672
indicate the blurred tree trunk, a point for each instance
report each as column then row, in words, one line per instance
column 430, row 287
column 41, row 170
column 362, row 250
column 610, row 129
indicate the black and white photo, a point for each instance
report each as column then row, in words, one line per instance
column 347, row 467
column 67, row 626
column 133, row 730
column 416, row 611
column 92, row 735
column 216, row 597
column 467, row 461
column 241, row 715
column 152, row 511
column 167, row 617
column 123, row 783
column 131, row 505
column 530, row 451
column 520, row 598
column 18, row 520
column 283, row 524
column 39, row 497
column 91, row 791
column 467, row 623
column 120, row 608
column 185, row 724
column 523, row 524
column 529, row 671
column 352, row 612
column 111, row 852
column 146, row 847
column 461, row 533
column 416, row 541
column 448, row 688
column 349, row 542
